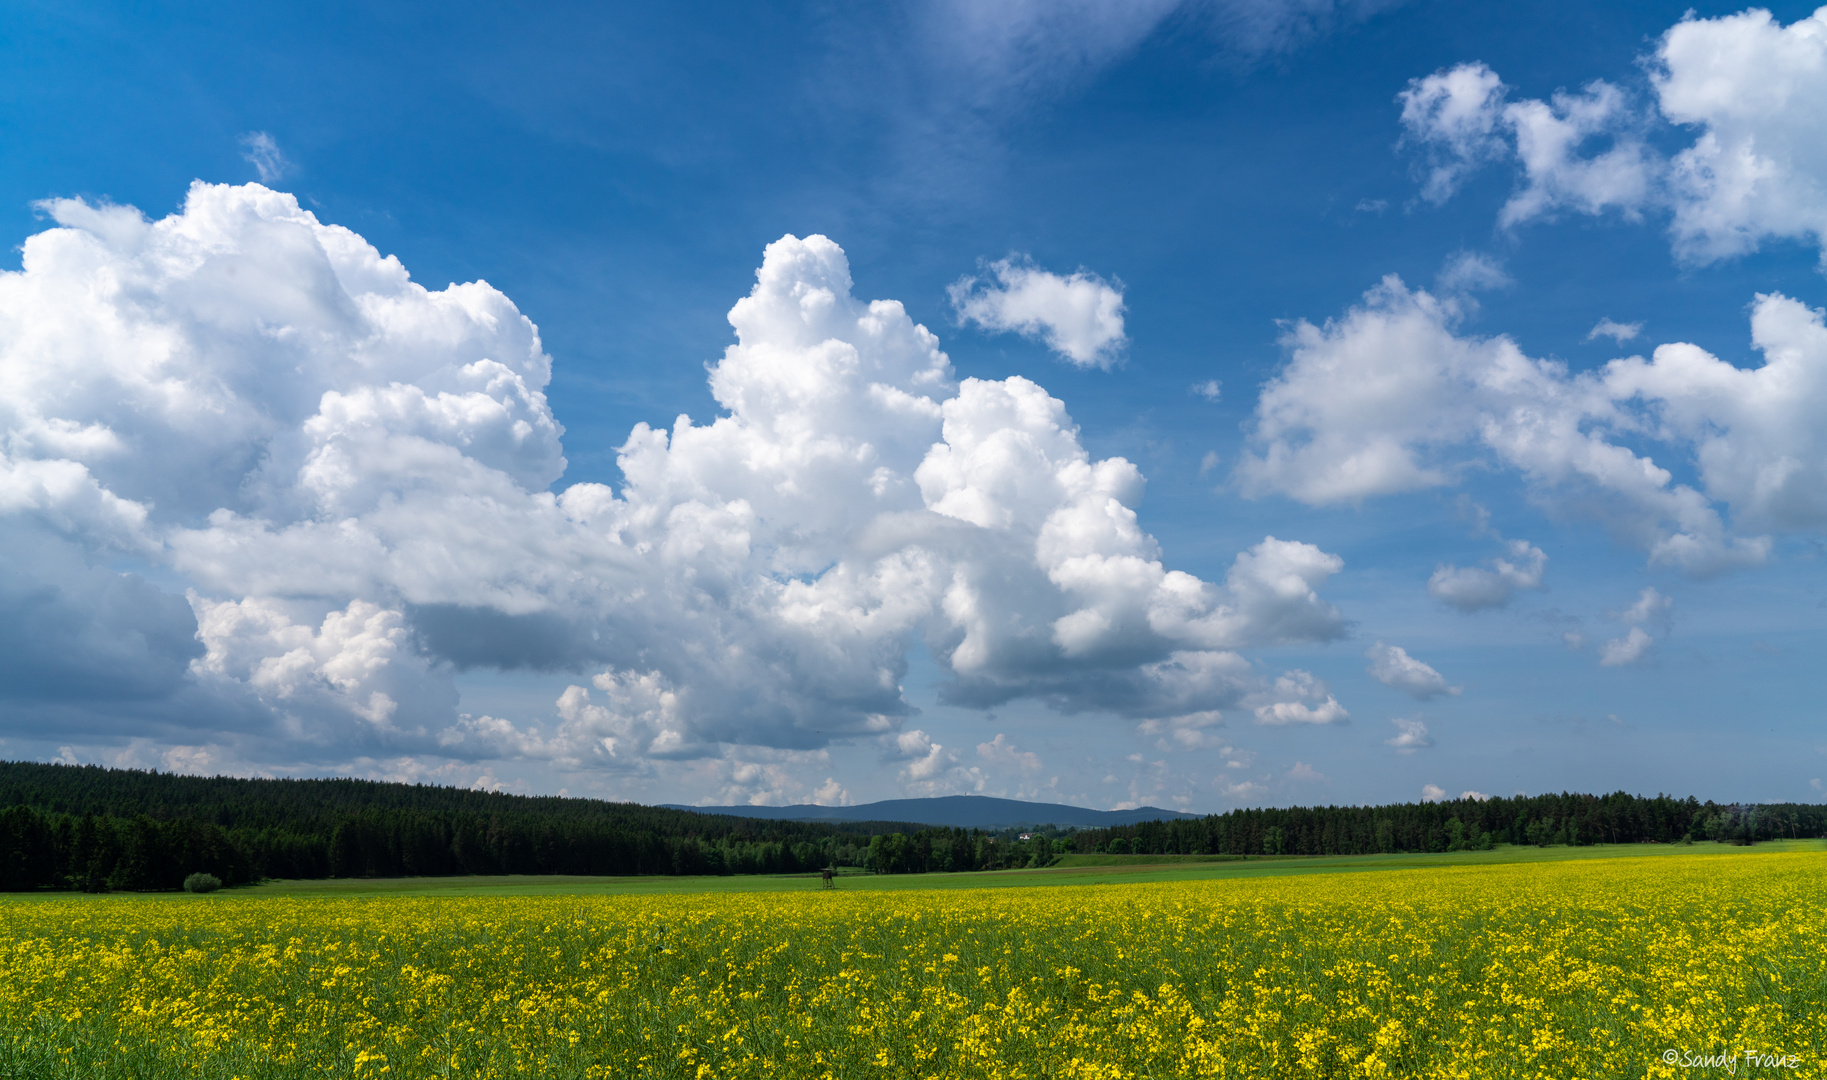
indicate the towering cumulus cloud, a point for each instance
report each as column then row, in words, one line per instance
column 259, row 487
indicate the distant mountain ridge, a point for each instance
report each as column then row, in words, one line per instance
column 950, row 811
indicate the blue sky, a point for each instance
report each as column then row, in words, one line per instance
column 255, row 478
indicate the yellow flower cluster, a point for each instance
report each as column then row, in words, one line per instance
column 1592, row 968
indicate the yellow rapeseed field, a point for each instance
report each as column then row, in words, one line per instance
column 1614, row 968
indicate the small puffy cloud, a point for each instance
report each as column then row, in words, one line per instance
column 1626, row 650
column 189, row 760
column 262, row 152
column 1459, row 120
column 1469, row 272
column 910, row 745
column 1750, row 90
column 1078, row 316
column 1815, row 783
column 1472, row 588
column 1274, row 595
column 1432, row 793
column 831, row 793
column 1194, row 731
column 1616, row 331
column 999, row 753
column 1210, row 389
column 1476, row 796
column 1240, row 790
column 1454, row 115
column 1001, row 768
column 1411, row 735
column 1548, row 138
column 931, row 768
column 1305, row 772
column 1651, row 610
column 1299, row 698
column 759, row 777
column 1393, row 667
column 1283, row 713
column 1391, row 398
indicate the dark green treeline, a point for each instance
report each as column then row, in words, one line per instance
column 1460, row 824
column 87, row 827
column 84, row 827
column 1456, row 825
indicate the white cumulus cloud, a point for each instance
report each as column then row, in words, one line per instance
column 1391, row 398
column 1455, row 115
column 831, row 793
column 1461, row 121
column 1755, row 432
column 1628, row 649
column 1000, row 753
column 1755, row 93
column 1079, row 316
column 1468, row 272
column 1411, row 735
column 1472, row 588
column 1549, row 136
column 1194, row 731
column 1750, row 92
column 1649, row 613
column 1616, row 331
column 1299, row 698
column 1393, row 667
column 1305, row 772
column 1650, row 608
column 359, row 481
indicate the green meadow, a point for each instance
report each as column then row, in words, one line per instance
column 1070, row 870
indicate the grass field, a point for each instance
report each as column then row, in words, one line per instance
column 1071, row 870
column 1513, row 963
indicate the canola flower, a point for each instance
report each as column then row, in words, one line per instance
column 1628, row 967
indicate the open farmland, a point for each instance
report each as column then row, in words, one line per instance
column 1591, row 967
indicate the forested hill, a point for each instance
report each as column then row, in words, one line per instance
column 1459, row 824
column 955, row 811
column 314, row 805
column 92, row 827
column 85, row 827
